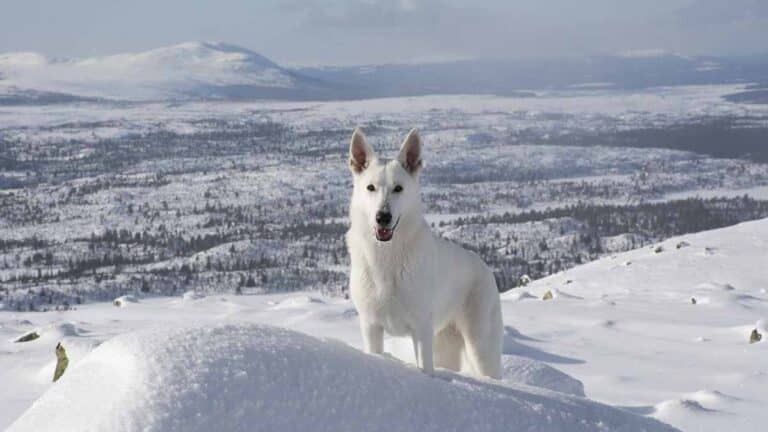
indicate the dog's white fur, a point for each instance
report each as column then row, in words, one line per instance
column 417, row 284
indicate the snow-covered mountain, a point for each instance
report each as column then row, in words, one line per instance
column 188, row 70
column 207, row 70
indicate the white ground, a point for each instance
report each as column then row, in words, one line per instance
column 623, row 326
column 228, row 377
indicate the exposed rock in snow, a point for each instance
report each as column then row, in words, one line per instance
column 28, row 337
column 123, row 301
column 62, row 361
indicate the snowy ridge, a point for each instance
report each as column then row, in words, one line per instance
column 246, row 377
column 178, row 71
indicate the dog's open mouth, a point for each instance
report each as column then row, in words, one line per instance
column 385, row 234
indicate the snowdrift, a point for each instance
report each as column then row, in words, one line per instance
column 250, row 377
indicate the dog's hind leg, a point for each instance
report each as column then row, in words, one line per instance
column 448, row 348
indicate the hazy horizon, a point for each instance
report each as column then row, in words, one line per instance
column 343, row 32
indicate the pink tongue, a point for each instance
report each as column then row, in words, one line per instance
column 383, row 232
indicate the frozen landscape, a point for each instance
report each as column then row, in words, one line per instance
column 185, row 245
column 102, row 199
column 622, row 330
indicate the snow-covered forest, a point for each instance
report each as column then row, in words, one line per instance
column 158, row 199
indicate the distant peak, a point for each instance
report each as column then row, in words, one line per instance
column 211, row 48
column 207, row 45
column 22, row 59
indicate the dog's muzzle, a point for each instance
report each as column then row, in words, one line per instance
column 383, row 233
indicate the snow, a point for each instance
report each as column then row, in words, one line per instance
column 523, row 370
column 236, row 377
column 21, row 59
column 192, row 296
column 635, row 339
column 624, row 335
column 168, row 72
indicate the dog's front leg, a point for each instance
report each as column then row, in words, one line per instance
column 423, row 350
column 373, row 337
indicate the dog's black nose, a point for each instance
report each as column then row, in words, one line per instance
column 383, row 218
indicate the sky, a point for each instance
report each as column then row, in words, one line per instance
column 346, row 32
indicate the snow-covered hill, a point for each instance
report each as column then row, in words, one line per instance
column 622, row 330
column 663, row 329
column 245, row 377
column 187, row 70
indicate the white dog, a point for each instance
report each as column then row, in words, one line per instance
column 406, row 281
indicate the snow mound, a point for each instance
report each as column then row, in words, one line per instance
column 711, row 397
column 65, row 329
column 727, row 299
column 517, row 295
column 241, row 377
column 192, row 296
column 526, row 371
column 673, row 406
column 296, row 302
column 689, row 412
column 762, row 325
column 715, row 286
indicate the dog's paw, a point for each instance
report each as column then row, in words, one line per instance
column 429, row 373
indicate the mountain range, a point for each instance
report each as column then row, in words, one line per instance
column 221, row 71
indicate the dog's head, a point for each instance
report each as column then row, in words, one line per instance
column 385, row 193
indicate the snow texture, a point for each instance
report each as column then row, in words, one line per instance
column 250, row 377
column 627, row 335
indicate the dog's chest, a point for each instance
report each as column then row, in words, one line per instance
column 391, row 309
column 391, row 299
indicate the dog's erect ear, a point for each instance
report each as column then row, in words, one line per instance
column 360, row 153
column 410, row 152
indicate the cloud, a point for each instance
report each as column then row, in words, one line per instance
column 707, row 12
column 372, row 15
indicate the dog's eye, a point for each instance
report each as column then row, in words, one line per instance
column 397, row 189
column 371, row 187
